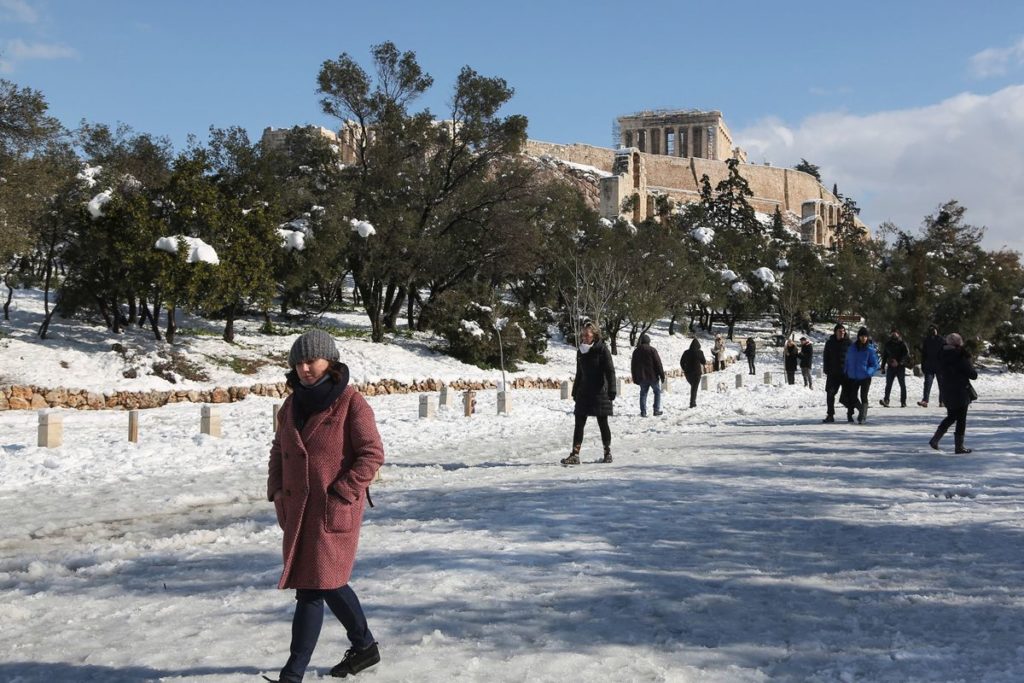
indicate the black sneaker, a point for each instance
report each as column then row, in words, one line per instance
column 657, row 413
column 829, row 418
column 355, row 661
column 884, row 402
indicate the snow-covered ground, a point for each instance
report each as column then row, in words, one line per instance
column 739, row 541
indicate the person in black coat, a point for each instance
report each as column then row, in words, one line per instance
column 692, row 362
column 955, row 374
column 647, row 373
column 931, row 349
column 895, row 356
column 806, row 360
column 593, row 390
column 833, row 362
column 790, row 359
column 751, row 352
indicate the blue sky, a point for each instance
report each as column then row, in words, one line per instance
column 903, row 104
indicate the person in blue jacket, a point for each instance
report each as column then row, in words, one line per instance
column 861, row 366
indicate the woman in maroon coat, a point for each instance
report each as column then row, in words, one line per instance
column 325, row 454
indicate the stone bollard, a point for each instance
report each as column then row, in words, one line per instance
column 469, row 403
column 133, row 426
column 739, row 380
column 819, row 373
column 428, row 406
column 51, row 430
column 277, row 420
column 664, row 385
column 566, row 390
column 767, row 378
column 704, row 382
column 447, row 398
column 504, row 403
column 209, row 422
column 618, row 386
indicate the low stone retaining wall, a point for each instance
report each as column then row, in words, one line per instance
column 24, row 397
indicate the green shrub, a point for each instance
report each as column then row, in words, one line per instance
column 469, row 329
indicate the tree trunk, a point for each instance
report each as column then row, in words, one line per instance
column 229, row 326
column 393, row 305
column 10, row 297
column 172, row 325
column 672, row 326
column 410, row 314
column 154, row 318
column 132, row 309
column 102, row 305
column 632, row 335
column 48, row 314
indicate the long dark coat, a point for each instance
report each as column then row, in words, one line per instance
column 931, row 350
column 790, row 358
column 833, row 358
column 692, row 362
column 323, row 473
column 593, row 389
column 955, row 373
column 895, row 349
column 806, row 355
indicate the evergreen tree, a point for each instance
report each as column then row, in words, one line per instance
column 809, row 168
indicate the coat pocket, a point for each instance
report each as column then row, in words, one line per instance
column 279, row 509
column 341, row 515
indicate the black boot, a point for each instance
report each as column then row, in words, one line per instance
column 607, row 453
column 355, row 661
column 573, row 457
column 960, row 448
column 829, row 418
column 863, row 416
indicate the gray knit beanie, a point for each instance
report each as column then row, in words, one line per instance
column 313, row 344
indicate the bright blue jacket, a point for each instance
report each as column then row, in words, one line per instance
column 861, row 363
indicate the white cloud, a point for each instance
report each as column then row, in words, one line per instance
column 900, row 165
column 996, row 61
column 18, row 10
column 17, row 50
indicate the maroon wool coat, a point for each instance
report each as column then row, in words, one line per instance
column 323, row 474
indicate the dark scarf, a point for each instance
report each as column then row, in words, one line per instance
column 308, row 401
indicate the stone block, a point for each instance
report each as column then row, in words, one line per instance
column 566, row 390
column 51, row 430
column 469, row 403
column 447, row 397
column 428, row 406
column 209, row 421
column 767, row 378
column 504, row 403
column 704, row 383
column 739, row 380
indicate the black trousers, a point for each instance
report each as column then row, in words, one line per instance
column 693, row 393
column 750, row 364
column 957, row 415
column 859, row 401
column 833, row 383
column 602, row 423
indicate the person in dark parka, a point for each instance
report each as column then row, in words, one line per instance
column 647, row 373
column 806, row 361
column 895, row 356
column 692, row 363
column 751, row 353
column 955, row 374
column 833, row 363
column 790, row 359
column 593, row 390
column 931, row 349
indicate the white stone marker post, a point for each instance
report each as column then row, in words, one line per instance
column 704, row 382
column 566, row 390
column 209, row 422
column 447, row 399
column 428, row 406
column 469, row 402
column 277, row 419
column 51, row 429
column 504, row 403
column 767, row 378
column 739, row 380
column 133, row 426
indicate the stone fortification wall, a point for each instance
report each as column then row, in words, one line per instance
column 680, row 177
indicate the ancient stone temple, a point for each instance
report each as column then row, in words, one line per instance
column 679, row 133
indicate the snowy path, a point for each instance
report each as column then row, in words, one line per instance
column 741, row 541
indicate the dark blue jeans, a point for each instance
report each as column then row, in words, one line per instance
column 309, row 618
column 644, row 388
column 929, row 377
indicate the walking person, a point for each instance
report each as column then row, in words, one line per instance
column 861, row 365
column 931, row 350
column 325, row 453
column 833, row 363
column 751, row 352
column 692, row 363
column 806, row 361
column 955, row 374
column 593, row 390
column 895, row 356
column 790, row 360
column 718, row 351
column 647, row 373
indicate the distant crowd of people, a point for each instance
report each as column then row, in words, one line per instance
column 849, row 367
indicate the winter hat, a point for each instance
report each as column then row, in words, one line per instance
column 645, row 339
column 954, row 339
column 863, row 332
column 313, row 344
